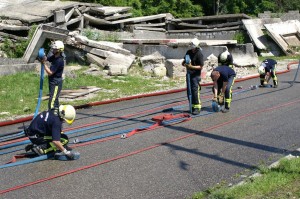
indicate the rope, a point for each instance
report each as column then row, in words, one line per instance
column 40, row 55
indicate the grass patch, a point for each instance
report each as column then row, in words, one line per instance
column 19, row 92
column 279, row 182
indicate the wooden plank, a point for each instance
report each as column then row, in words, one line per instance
column 72, row 94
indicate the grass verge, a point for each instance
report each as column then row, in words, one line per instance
column 19, row 92
column 281, row 181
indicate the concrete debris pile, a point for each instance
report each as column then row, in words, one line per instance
column 160, row 37
column 108, row 56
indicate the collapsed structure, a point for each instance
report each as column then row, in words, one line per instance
column 157, row 35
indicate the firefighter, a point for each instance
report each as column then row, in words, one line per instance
column 267, row 70
column 194, row 68
column 45, row 132
column 55, row 73
column 223, row 79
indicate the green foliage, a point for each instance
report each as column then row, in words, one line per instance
column 240, row 37
column 96, row 35
column 195, row 8
column 178, row 8
column 15, row 99
column 17, row 49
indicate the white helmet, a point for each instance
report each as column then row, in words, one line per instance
column 261, row 69
column 59, row 45
column 67, row 112
column 195, row 43
column 225, row 58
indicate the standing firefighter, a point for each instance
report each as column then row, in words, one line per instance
column 267, row 70
column 55, row 72
column 223, row 79
column 45, row 132
column 194, row 67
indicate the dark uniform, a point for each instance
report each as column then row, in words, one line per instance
column 55, row 80
column 44, row 128
column 270, row 67
column 195, row 77
column 227, row 74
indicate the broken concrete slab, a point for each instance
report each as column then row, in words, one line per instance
column 9, row 69
column 104, row 45
column 244, row 55
column 96, row 51
column 95, row 60
column 140, row 19
column 39, row 10
column 110, row 10
column 94, row 20
column 118, row 16
column 5, row 26
column 177, row 42
column 42, row 33
column 255, row 28
column 117, row 70
column 119, row 59
column 174, row 68
column 286, row 34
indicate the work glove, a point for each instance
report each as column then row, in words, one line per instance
column 43, row 60
column 70, row 154
column 188, row 66
column 221, row 99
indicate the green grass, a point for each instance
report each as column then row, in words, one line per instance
column 19, row 92
column 279, row 182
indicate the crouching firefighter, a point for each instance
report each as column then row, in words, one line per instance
column 45, row 132
column 223, row 79
column 267, row 70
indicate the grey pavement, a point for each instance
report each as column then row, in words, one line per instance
column 170, row 162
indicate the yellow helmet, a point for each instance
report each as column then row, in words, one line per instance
column 67, row 112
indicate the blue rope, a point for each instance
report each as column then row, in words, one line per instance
column 27, row 161
column 40, row 55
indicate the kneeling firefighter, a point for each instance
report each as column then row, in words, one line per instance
column 45, row 132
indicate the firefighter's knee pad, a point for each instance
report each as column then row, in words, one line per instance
column 64, row 139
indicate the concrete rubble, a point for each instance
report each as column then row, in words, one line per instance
column 160, row 41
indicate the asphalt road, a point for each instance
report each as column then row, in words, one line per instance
column 172, row 161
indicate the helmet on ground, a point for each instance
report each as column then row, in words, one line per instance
column 67, row 112
column 195, row 43
column 225, row 58
column 261, row 69
column 59, row 45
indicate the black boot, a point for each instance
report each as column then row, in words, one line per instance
column 275, row 83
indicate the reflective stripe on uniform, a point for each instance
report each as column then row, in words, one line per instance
column 54, row 97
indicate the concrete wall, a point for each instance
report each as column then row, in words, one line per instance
column 12, row 69
column 222, row 35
